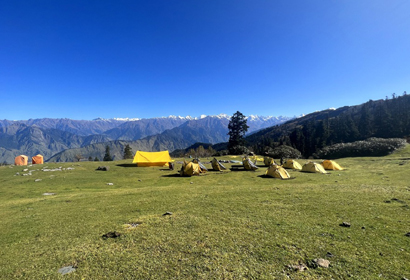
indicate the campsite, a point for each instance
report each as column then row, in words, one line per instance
column 205, row 140
column 134, row 222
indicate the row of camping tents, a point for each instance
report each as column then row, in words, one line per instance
column 279, row 171
column 308, row 167
column 23, row 160
column 195, row 167
column 312, row 166
column 274, row 170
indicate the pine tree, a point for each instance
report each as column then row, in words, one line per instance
column 365, row 125
column 308, row 131
column 127, row 152
column 192, row 153
column 237, row 128
column 210, row 151
column 200, row 151
column 107, row 156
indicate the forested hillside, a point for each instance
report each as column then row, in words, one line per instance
column 389, row 118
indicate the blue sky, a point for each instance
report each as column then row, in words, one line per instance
column 89, row 59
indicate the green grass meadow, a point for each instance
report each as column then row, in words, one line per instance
column 224, row 225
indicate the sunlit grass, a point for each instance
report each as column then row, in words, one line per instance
column 228, row 225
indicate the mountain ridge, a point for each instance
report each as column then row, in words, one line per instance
column 207, row 130
column 47, row 135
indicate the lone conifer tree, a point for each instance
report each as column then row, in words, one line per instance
column 237, row 128
column 127, row 152
column 107, row 156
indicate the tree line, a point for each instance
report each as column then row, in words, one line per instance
column 389, row 118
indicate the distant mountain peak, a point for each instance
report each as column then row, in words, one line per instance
column 178, row 117
column 116, row 119
column 267, row 118
column 127, row 119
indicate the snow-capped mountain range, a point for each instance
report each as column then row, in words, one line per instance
column 189, row 118
column 50, row 136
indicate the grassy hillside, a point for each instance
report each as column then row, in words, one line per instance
column 228, row 225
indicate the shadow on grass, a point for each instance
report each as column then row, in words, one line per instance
column 269, row 177
column 172, row 175
column 127, row 165
column 135, row 165
column 242, row 169
column 179, row 176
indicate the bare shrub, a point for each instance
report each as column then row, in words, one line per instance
column 283, row 151
column 371, row 147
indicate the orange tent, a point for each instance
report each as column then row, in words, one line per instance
column 20, row 160
column 38, row 159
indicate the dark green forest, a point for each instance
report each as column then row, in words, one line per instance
column 389, row 118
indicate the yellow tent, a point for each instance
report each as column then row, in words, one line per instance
column 152, row 158
column 249, row 165
column 216, row 165
column 331, row 165
column 21, row 160
column 313, row 167
column 277, row 171
column 197, row 161
column 268, row 161
column 38, row 159
column 254, row 158
column 189, row 169
column 292, row 164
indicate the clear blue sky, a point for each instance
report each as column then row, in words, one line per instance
column 88, row 59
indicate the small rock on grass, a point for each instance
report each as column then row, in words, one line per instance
column 320, row 263
column 110, row 184
column 133, row 225
column 407, row 234
column 37, row 180
column 49, row 193
column 102, row 168
column 167, row 214
column 345, row 224
column 66, row 269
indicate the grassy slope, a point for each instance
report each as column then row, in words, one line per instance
column 224, row 225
